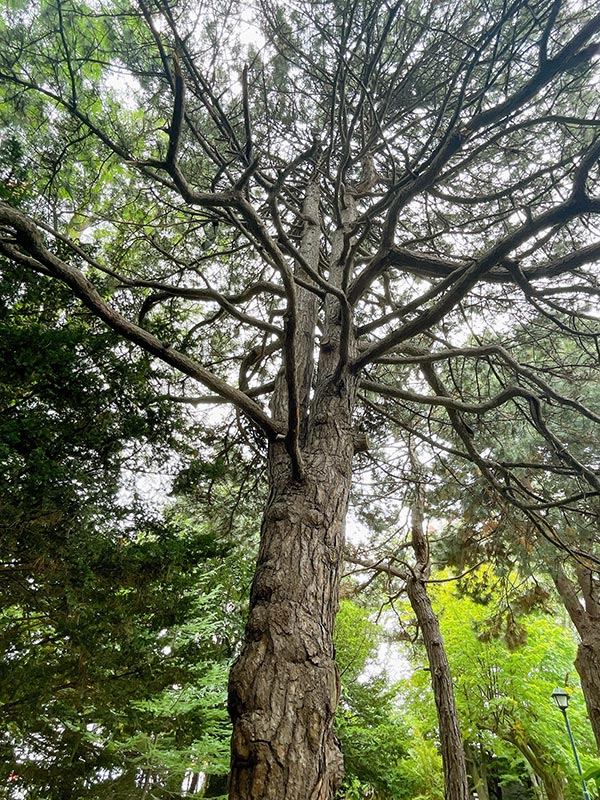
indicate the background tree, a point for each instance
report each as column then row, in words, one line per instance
column 485, row 524
column 306, row 235
column 410, row 575
column 506, row 662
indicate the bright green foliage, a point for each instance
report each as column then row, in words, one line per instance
column 592, row 773
column 505, row 665
column 421, row 772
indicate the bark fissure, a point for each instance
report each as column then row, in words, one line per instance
column 286, row 673
column 284, row 687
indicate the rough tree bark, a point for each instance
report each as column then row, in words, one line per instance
column 286, row 675
column 583, row 606
column 284, row 687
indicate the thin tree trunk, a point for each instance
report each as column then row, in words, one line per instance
column 452, row 749
column 587, row 665
column 536, row 783
column 536, row 757
column 477, row 768
column 194, row 783
column 583, row 606
column 453, row 758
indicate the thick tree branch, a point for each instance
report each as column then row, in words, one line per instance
column 510, row 393
column 558, row 215
column 30, row 241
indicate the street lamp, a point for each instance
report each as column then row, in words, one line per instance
column 561, row 698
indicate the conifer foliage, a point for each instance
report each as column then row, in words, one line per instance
column 366, row 209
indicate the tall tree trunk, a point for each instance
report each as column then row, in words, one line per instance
column 453, row 758
column 587, row 665
column 581, row 599
column 284, row 688
column 452, row 749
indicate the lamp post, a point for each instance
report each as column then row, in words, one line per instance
column 561, row 698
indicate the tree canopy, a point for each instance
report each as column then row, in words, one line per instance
column 352, row 222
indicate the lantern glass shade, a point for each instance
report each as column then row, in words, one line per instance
column 561, row 698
